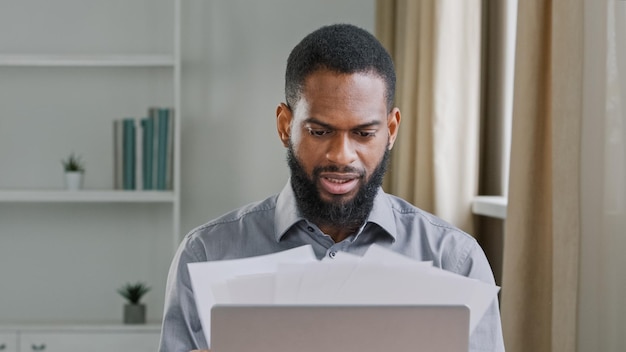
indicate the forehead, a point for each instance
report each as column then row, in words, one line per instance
column 332, row 95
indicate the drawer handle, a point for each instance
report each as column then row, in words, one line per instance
column 38, row 347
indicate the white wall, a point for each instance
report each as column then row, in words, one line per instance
column 234, row 54
column 63, row 262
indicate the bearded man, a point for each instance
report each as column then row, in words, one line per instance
column 338, row 125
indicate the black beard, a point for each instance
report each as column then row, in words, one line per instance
column 346, row 214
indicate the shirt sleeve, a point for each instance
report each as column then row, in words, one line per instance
column 488, row 333
column 181, row 330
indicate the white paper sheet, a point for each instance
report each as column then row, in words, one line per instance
column 253, row 289
column 296, row 277
column 207, row 276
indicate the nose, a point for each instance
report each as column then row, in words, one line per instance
column 341, row 150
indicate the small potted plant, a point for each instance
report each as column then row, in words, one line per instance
column 74, row 170
column 134, row 311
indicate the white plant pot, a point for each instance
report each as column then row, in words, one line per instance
column 135, row 313
column 73, row 180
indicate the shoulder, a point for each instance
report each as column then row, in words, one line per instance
column 233, row 232
column 407, row 211
column 256, row 210
column 406, row 214
column 431, row 238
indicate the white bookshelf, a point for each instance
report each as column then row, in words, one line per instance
column 87, row 60
column 56, row 88
column 86, row 196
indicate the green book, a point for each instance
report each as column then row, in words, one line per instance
column 163, row 117
column 147, row 124
column 169, row 177
column 118, row 154
column 153, row 116
column 129, row 153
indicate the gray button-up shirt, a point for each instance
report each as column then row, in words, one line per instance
column 274, row 225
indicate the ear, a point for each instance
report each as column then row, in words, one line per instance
column 284, row 116
column 393, row 124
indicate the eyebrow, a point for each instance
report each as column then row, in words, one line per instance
column 331, row 127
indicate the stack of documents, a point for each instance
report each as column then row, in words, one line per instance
column 295, row 276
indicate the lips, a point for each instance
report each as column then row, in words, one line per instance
column 338, row 184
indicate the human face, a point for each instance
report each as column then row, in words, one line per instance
column 339, row 131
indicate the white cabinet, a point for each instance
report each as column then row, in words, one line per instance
column 79, row 339
column 91, row 341
column 67, row 71
column 8, row 341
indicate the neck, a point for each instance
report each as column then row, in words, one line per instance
column 338, row 233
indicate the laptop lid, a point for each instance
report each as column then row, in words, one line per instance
column 298, row 328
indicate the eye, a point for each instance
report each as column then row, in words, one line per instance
column 318, row 132
column 365, row 134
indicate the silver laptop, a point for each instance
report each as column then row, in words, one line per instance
column 279, row 328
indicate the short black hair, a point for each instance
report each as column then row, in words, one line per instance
column 341, row 48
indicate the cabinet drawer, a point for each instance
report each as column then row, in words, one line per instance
column 89, row 341
column 8, row 342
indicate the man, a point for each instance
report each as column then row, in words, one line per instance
column 338, row 126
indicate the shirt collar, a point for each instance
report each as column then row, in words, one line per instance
column 287, row 215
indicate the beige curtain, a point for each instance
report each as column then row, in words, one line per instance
column 436, row 47
column 540, row 273
column 602, row 288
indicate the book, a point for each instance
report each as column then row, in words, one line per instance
column 138, row 177
column 129, row 153
column 162, row 146
column 169, row 177
column 153, row 115
column 118, row 156
column 147, row 125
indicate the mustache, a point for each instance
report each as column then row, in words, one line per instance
column 334, row 168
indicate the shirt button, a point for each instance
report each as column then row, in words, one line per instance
column 311, row 229
column 332, row 254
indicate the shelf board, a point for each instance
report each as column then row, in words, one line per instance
column 85, row 196
column 491, row 206
column 85, row 327
column 87, row 60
